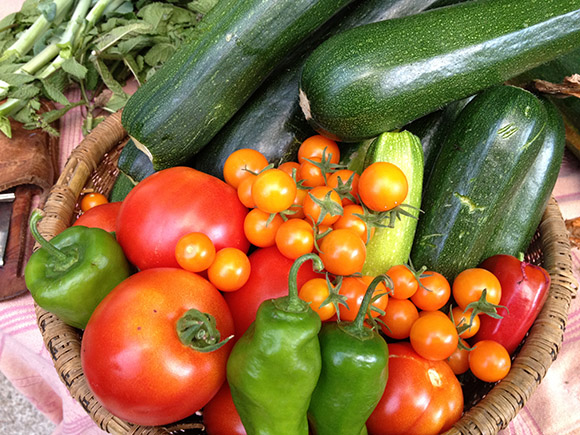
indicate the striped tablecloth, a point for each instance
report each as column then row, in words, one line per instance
column 552, row 410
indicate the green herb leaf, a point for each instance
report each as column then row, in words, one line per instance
column 5, row 126
column 54, row 93
column 24, row 92
column 75, row 69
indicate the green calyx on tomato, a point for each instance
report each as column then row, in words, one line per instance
column 70, row 274
column 199, row 331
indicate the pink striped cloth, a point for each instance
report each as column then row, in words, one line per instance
column 552, row 410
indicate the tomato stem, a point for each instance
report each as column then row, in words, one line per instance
column 199, row 331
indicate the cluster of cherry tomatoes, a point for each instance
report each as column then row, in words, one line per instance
column 313, row 204
column 415, row 311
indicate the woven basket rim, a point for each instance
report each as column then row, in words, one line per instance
column 491, row 414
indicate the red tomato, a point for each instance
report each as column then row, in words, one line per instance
column 171, row 203
column 133, row 359
column 101, row 216
column 220, row 415
column 421, row 397
column 268, row 279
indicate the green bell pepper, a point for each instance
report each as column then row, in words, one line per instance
column 273, row 368
column 354, row 374
column 70, row 274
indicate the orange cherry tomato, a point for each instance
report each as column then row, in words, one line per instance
column 463, row 319
column 343, row 252
column 349, row 221
column 314, row 212
column 489, row 361
column 290, row 168
column 195, row 252
column 294, row 238
column 260, row 228
column 92, row 199
column 382, row 186
column 315, row 291
column 399, row 316
column 245, row 191
column 405, row 283
column 341, row 178
column 469, row 284
column 297, row 207
column 311, row 175
column 315, row 146
column 433, row 336
column 241, row 164
column 230, row 269
column 273, row 191
column 354, row 289
column 459, row 360
column 434, row 293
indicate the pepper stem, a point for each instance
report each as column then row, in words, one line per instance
column 60, row 256
column 199, row 331
column 357, row 327
column 293, row 303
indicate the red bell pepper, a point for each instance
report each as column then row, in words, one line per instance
column 524, row 288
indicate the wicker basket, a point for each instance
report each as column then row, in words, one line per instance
column 92, row 166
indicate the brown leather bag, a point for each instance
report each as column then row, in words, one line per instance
column 29, row 168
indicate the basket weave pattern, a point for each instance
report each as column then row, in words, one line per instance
column 92, row 166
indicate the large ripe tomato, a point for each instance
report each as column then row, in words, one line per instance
column 133, row 359
column 268, row 279
column 220, row 415
column 171, row 203
column 100, row 216
column 421, row 397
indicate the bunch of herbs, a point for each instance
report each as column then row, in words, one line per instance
column 98, row 45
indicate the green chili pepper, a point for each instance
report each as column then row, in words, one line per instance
column 70, row 274
column 354, row 374
column 274, row 366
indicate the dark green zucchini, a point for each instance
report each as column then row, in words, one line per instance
column 482, row 161
column 519, row 221
column 380, row 76
column 234, row 48
column 272, row 121
column 121, row 187
column 134, row 163
column 432, row 129
column 555, row 71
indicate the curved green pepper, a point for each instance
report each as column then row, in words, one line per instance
column 354, row 374
column 72, row 273
column 274, row 366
